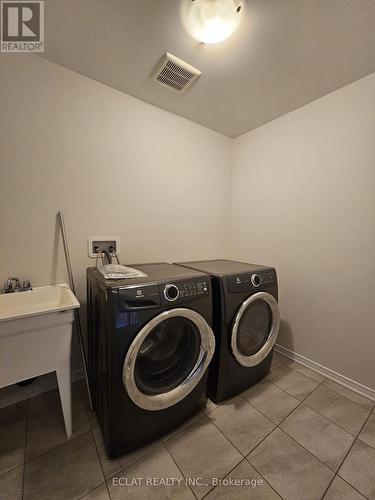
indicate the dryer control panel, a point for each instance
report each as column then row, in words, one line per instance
column 250, row 281
column 180, row 291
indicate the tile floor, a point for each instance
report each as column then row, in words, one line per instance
column 294, row 435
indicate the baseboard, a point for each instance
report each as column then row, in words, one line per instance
column 14, row 393
column 327, row 372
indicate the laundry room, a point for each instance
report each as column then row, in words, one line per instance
column 186, row 256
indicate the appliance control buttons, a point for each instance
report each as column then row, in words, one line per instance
column 255, row 280
column 192, row 289
column 171, row 292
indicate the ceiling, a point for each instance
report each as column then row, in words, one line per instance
column 285, row 54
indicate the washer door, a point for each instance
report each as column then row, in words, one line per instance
column 255, row 329
column 168, row 358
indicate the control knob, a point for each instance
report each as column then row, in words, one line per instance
column 171, row 292
column 255, row 280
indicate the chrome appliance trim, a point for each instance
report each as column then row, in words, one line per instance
column 258, row 357
column 253, row 276
column 167, row 288
column 170, row 398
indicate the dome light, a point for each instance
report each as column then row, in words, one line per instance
column 211, row 21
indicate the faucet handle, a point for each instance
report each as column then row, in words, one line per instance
column 8, row 285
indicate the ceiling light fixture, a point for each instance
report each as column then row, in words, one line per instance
column 211, row 21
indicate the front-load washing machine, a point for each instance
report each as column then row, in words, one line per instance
column 246, row 322
column 150, row 344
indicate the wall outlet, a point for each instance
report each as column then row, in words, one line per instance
column 103, row 243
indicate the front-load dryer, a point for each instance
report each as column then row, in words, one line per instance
column 246, row 322
column 150, row 345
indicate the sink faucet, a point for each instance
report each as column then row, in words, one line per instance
column 8, row 286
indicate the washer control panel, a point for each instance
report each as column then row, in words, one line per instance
column 250, row 281
column 153, row 295
column 180, row 291
column 192, row 288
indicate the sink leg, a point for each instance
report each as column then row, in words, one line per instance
column 64, row 382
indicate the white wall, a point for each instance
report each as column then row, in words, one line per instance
column 114, row 164
column 304, row 200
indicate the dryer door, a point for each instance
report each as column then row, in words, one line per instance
column 255, row 329
column 168, row 358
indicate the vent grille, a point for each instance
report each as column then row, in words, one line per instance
column 175, row 73
column 179, row 69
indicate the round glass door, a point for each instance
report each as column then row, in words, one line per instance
column 168, row 358
column 167, row 355
column 255, row 329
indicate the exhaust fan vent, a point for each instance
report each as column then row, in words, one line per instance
column 174, row 73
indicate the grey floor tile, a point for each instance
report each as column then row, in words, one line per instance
column 12, row 436
column 72, row 469
column 358, row 469
column 338, row 409
column 209, row 407
column 100, row 493
column 46, row 428
column 290, row 469
column 115, row 465
column 183, row 426
column 133, row 456
column 277, row 359
column 272, row 401
column 243, row 482
column 139, row 479
column 94, row 424
column 304, row 370
column 322, row 438
column 292, row 381
column 11, row 484
column 368, row 432
column 349, row 394
column 90, row 414
column 202, row 451
column 241, row 423
column 340, row 490
column 110, row 467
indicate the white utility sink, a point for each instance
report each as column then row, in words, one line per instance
column 40, row 300
column 35, row 338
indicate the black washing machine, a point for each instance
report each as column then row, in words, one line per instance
column 246, row 323
column 150, row 344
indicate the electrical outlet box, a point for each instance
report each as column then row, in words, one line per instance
column 103, row 243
